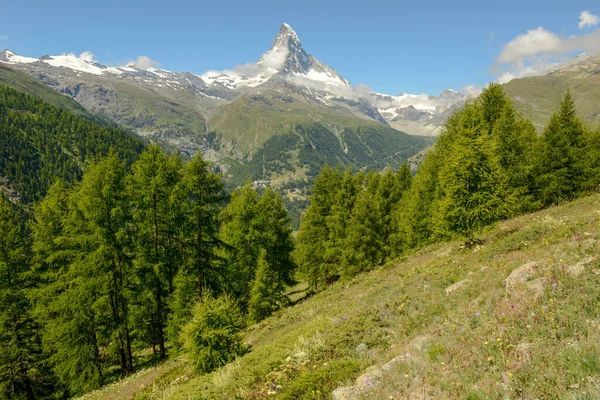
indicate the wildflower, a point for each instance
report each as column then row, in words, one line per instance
column 512, row 306
column 554, row 285
column 406, row 375
column 477, row 314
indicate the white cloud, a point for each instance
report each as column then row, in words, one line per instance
column 87, row 56
column 274, row 58
column 587, row 19
column 144, row 63
column 526, row 45
column 539, row 51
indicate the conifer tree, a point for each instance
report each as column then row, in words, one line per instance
column 313, row 236
column 100, row 219
column 266, row 295
column 156, row 212
column 20, row 346
column 211, row 338
column 276, row 235
column 241, row 233
column 202, row 198
column 251, row 222
column 562, row 162
column 472, row 188
column 70, row 329
column 363, row 247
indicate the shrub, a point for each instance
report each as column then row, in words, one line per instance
column 211, row 339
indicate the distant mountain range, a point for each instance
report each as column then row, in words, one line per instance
column 288, row 105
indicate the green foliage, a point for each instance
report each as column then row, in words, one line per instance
column 157, row 215
column 266, row 295
column 250, row 222
column 313, row 238
column 472, row 188
column 562, row 160
column 20, row 376
column 211, row 338
column 40, row 143
column 203, row 196
column 318, row 383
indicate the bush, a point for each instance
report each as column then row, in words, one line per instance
column 211, row 339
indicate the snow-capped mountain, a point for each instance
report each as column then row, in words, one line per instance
column 285, row 64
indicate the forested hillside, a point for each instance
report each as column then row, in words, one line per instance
column 130, row 259
column 489, row 164
column 40, row 143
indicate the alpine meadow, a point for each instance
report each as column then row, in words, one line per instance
column 272, row 231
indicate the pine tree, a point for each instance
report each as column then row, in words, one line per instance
column 313, row 236
column 251, row 222
column 363, row 246
column 276, row 236
column 266, row 295
column 241, row 233
column 211, row 338
column 19, row 340
column 472, row 188
column 156, row 211
column 100, row 220
column 202, row 198
column 562, row 162
column 397, row 241
column 493, row 102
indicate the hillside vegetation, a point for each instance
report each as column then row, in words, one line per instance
column 443, row 322
column 538, row 96
column 22, row 82
column 40, row 142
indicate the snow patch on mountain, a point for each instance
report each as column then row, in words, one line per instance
column 13, row 58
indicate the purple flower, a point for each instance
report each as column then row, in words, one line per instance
column 554, row 285
column 477, row 314
column 512, row 306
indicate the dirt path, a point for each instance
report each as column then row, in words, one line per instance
column 127, row 388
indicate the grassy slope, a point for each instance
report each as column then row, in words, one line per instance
column 24, row 83
column 252, row 119
column 478, row 342
column 539, row 97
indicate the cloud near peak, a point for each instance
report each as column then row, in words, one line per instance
column 587, row 19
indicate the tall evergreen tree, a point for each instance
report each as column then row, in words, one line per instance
column 20, row 344
column 156, row 211
column 251, row 222
column 202, row 198
column 313, row 236
column 241, row 232
column 562, row 161
column 472, row 188
column 101, row 219
column 266, row 295
column 364, row 246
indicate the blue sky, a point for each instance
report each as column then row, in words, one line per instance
column 391, row 46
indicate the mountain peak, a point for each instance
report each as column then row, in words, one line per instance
column 286, row 52
column 286, row 29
